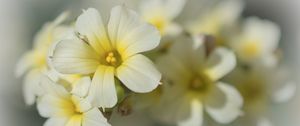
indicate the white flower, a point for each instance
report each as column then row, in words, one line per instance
column 34, row 62
column 193, row 76
column 110, row 50
column 222, row 15
column 161, row 14
column 64, row 109
column 260, row 89
column 257, row 42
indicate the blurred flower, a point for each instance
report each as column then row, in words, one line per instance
column 64, row 109
column 34, row 62
column 215, row 22
column 161, row 14
column 193, row 73
column 260, row 89
column 257, row 41
column 105, row 52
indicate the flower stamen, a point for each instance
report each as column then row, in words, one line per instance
column 113, row 59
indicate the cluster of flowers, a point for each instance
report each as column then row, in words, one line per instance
column 80, row 72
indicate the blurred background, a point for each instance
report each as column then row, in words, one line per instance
column 21, row 19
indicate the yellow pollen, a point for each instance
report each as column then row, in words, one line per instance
column 111, row 59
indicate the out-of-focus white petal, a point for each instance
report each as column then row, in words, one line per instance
column 51, row 32
column 56, row 121
column 48, row 86
column 31, row 86
column 90, row 25
column 221, row 62
column 129, row 33
column 74, row 57
column 215, row 98
column 148, row 6
column 196, row 116
column 62, row 17
column 169, row 8
column 258, row 41
column 174, row 7
column 267, row 32
column 178, row 107
column 172, row 68
column 231, row 109
column 173, row 29
column 139, row 74
column 229, row 10
column 264, row 122
column 102, row 91
column 94, row 118
column 223, row 15
column 285, row 93
column 25, row 63
column 190, row 52
column 81, row 87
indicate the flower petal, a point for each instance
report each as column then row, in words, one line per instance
column 139, row 74
column 102, row 91
column 82, row 105
column 264, row 122
column 229, row 11
column 232, row 108
column 268, row 33
column 75, row 120
column 52, row 105
column 74, row 57
column 25, row 63
column 56, row 121
column 190, row 52
column 178, row 107
column 31, row 85
column 81, row 87
column 174, row 7
column 221, row 62
column 285, row 93
column 90, row 25
column 173, row 29
column 49, row 87
column 216, row 98
column 94, row 118
column 129, row 33
column 173, row 69
column 196, row 117
column 55, row 100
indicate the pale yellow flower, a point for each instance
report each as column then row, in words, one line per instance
column 34, row 62
column 217, row 20
column 261, row 87
column 161, row 14
column 193, row 76
column 257, row 42
column 65, row 109
column 110, row 51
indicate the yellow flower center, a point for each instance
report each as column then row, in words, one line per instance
column 113, row 58
column 200, row 84
column 251, row 49
column 110, row 58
